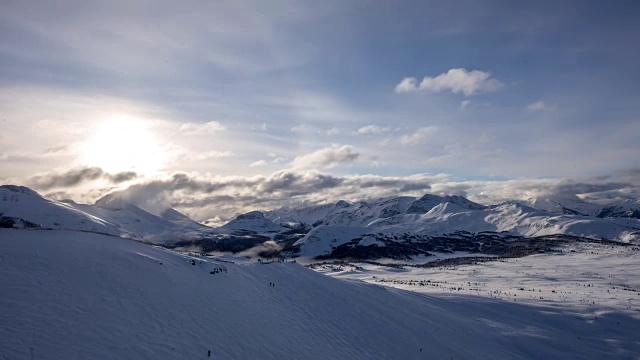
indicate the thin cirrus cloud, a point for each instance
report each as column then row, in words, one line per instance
column 540, row 106
column 210, row 127
column 457, row 81
column 259, row 163
column 326, row 158
column 372, row 130
column 418, row 136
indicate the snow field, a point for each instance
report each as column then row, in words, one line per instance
column 74, row 295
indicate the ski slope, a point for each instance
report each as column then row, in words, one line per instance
column 74, row 295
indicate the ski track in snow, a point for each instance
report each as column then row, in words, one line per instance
column 73, row 295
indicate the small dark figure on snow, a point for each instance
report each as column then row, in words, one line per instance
column 209, row 353
column 193, row 262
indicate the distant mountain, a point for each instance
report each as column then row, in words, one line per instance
column 429, row 201
column 563, row 205
column 21, row 206
column 627, row 209
column 253, row 221
column 394, row 226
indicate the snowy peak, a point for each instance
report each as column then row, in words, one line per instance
column 17, row 191
column 445, row 208
column 429, row 201
column 254, row 221
column 563, row 205
column 111, row 202
column 174, row 215
column 23, row 207
column 463, row 202
column 627, row 209
column 424, row 204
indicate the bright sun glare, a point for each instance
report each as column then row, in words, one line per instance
column 123, row 143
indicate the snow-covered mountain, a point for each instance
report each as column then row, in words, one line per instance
column 319, row 230
column 626, row 209
column 21, row 206
column 447, row 218
column 563, row 205
column 111, row 214
column 253, row 221
column 575, row 206
column 433, row 215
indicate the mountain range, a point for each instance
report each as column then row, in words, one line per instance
column 385, row 227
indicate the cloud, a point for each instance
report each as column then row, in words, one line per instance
column 326, row 158
column 77, row 176
column 372, row 130
column 455, row 80
column 418, row 135
column 597, row 189
column 408, row 84
column 464, row 104
column 210, row 127
column 540, row 106
column 214, row 155
column 219, row 198
column 308, row 129
column 259, row 163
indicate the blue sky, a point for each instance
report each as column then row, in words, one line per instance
column 503, row 93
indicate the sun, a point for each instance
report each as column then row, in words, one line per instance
column 123, row 143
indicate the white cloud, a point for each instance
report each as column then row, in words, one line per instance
column 540, row 106
column 455, row 80
column 408, row 84
column 372, row 130
column 333, row 131
column 464, row 104
column 275, row 159
column 325, row 158
column 213, row 155
column 259, row 163
column 205, row 128
column 307, row 129
column 418, row 135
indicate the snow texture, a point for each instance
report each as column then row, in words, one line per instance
column 74, row 295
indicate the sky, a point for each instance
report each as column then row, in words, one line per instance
column 221, row 107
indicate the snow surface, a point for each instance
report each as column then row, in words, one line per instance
column 253, row 221
column 110, row 215
column 445, row 218
column 588, row 280
column 74, row 295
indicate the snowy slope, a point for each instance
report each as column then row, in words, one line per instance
column 447, row 218
column 71, row 295
column 253, row 221
column 137, row 223
column 307, row 215
column 23, row 203
column 563, row 205
column 626, row 209
column 110, row 215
